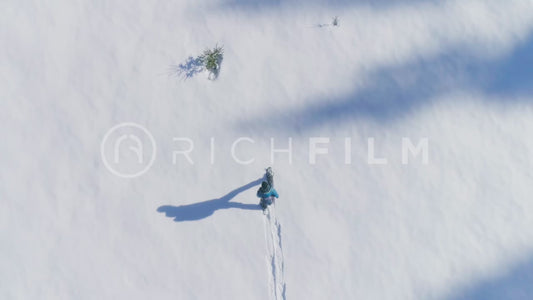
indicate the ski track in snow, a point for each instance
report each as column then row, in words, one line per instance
column 274, row 258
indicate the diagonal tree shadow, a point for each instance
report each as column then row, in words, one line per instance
column 338, row 4
column 516, row 283
column 201, row 210
column 393, row 92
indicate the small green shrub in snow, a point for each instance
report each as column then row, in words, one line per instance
column 212, row 58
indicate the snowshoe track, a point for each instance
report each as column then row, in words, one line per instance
column 275, row 263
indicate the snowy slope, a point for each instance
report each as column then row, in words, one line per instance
column 454, row 72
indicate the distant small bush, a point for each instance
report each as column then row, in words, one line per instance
column 335, row 21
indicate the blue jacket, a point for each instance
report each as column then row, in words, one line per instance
column 270, row 193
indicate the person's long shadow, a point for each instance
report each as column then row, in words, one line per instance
column 201, row 210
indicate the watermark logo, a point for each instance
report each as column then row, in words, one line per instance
column 128, row 150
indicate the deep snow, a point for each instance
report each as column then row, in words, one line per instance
column 455, row 72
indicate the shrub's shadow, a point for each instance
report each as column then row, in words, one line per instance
column 201, row 210
column 189, row 68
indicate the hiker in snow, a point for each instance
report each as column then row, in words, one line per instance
column 266, row 192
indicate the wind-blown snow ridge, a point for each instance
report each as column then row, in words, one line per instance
column 275, row 261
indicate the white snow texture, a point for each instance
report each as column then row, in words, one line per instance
column 457, row 74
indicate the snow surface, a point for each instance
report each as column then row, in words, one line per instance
column 456, row 72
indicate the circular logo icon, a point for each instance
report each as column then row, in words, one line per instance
column 128, row 150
